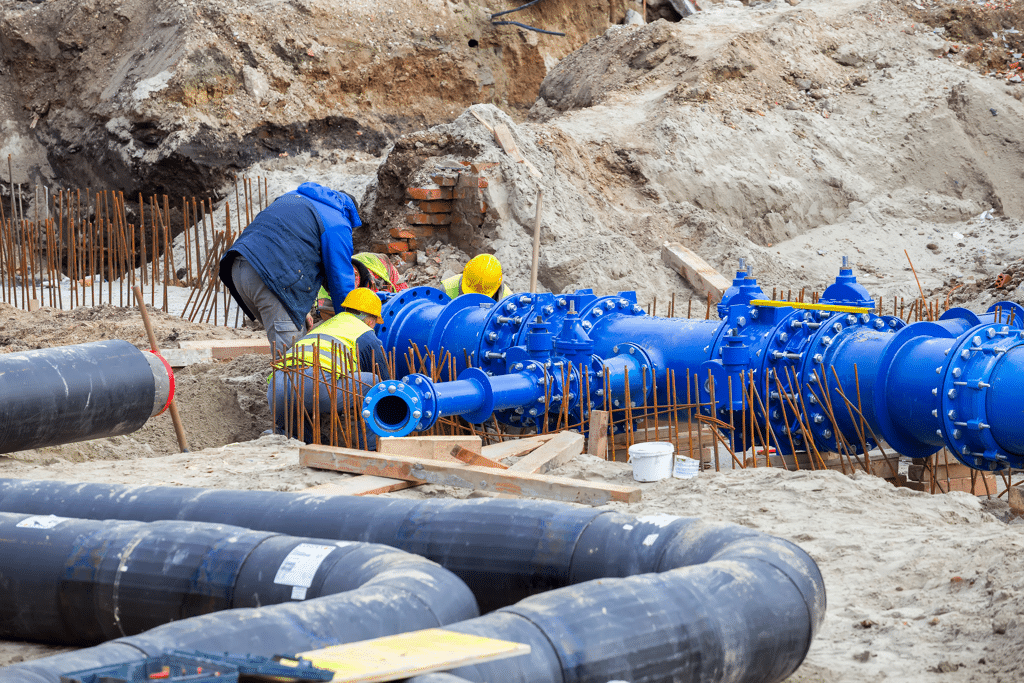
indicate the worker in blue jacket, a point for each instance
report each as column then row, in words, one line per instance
column 276, row 267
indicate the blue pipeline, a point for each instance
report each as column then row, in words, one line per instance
column 835, row 374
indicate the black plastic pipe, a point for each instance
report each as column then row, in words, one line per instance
column 74, row 393
column 73, row 581
column 709, row 602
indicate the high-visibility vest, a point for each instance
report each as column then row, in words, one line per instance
column 452, row 286
column 381, row 267
column 338, row 337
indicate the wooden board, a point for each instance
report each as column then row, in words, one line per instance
column 410, row 654
column 466, row 476
column 362, row 485
column 515, row 447
column 180, row 358
column 223, row 349
column 597, row 439
column 428, row 447
column 471, row 458
column 555, row 453
column 695, row 270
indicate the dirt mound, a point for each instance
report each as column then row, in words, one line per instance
column 176, row 98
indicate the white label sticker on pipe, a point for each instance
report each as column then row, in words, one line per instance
column 300, row 566
column 40, row 522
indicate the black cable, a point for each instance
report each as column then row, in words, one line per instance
column 521, row 25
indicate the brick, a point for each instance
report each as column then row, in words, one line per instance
column 466, row 193
column 409, row 256
column 414, row 244
column 429, row 218
column 445, row 180
column 469, row 180
column 482, row 166
column 379, row 247
column 429, row 193
column 397, row 247
column 958, row 484
column 420, row 231
column 401, row 234
column 440, row 206
column 482, row 182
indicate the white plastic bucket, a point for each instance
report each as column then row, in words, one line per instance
column 685, row 468
column 652, row 461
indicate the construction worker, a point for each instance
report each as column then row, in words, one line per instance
column 298, row 243
column 482, row 275
column 347, row 351
column 373, row 271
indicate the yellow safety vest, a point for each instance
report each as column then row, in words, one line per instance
column 453, row 287
column 336, row 336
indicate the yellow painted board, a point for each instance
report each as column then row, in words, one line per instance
column 410, row 654
column 810, row 307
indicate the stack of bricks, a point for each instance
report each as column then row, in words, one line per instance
column 455, row 197
column 951, row 476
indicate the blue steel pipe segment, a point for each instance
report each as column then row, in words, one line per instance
column 967, row 409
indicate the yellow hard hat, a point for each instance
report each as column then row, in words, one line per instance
column 365, row 301
column 482, row 275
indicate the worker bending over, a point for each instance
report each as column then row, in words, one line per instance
column 482, row 275
column 298, row 243
column 348, row 352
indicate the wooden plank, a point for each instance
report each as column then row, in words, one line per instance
column 410, row 654
column 695, row 270
column 223, row 349
column 428, row 447
column 466, row 476
column 471, row 458
column 597, row 441
column 515, row 447
column 555, row 453
column 361, row 485
column 180, row 358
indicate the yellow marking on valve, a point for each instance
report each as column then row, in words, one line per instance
column 811, row 307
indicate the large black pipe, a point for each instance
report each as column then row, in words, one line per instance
column 710, row 602
column 75, row 581
column 74, row 393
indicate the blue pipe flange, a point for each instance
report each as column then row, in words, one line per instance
column 641, row 376
column 468, row 338
column 963, row 392
column 486, row 395
column 401, row 408
column 506, row 321
column 405, row 308
column 820, row 355
column 595, row 311
column 783, row 361
column 1008, row 313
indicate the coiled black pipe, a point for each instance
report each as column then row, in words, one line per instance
column 75, row 581
column 730, row 604
column 73, row 393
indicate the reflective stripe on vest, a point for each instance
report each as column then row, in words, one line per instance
column 339, row 333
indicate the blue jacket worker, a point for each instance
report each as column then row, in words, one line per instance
column 302, row 241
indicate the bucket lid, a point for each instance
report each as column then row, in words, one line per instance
column 651, row 449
